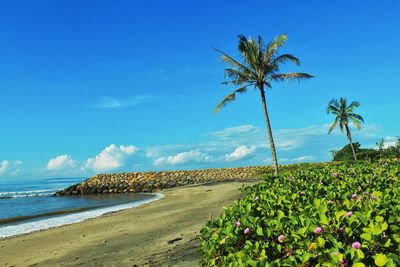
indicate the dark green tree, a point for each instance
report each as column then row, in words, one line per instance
column 259, row 67
column 346, row 153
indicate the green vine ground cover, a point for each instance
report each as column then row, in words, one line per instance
column 344, row 214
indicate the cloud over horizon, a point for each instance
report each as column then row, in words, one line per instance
column 193, row 156
column 240, row 153
column 61, row 162
column 248, row 144
column 242, row 145
column 112, row 157
column 4, row 165
column 11, row 168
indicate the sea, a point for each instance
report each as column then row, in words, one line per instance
column 29, row 205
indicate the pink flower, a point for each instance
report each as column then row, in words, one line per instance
column 246, row 231
column 302, row 193
column 353, row 195
column 318, row 230
column 356, row 245
column 237, row 223
column 281, row 238
column 344, row 262
column 349, row 213
column 334, row 174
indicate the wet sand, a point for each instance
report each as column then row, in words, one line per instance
column 162, row 233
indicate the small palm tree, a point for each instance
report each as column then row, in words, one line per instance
column 381, row 145
column 259, row 68
column 344, row 113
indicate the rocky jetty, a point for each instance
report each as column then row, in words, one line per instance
column 154, row 181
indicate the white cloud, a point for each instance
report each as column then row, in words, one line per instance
column 61, row 162
column 285, row 139
column 229, row 147
column 230, row 132
column 4, row 166
column 303, row 158
column 240, row 153
column 7, row 167
column 193, row 156
column 112, row 157
column 390, row 141
column 110, row 102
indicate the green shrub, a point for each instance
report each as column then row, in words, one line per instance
column 330, row 215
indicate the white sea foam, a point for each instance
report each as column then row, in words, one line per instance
column 32, row 193
column 28, row 227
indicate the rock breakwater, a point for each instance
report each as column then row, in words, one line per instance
column 154, row 181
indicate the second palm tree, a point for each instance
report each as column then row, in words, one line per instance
column 345, row 113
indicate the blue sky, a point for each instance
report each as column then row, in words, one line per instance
column 102, row 86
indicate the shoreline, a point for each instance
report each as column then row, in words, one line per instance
column 32, row 226
column 127, row 237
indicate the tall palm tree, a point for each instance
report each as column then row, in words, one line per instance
column 344, row 113
column 258, row 67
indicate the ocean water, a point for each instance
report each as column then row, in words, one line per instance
column 28, row 205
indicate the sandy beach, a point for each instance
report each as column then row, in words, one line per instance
column 162, row 233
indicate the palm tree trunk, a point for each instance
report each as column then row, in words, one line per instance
column 351, row 142
column 271, row 139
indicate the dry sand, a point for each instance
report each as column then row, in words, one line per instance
column 134, row 237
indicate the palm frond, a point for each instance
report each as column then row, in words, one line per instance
column 233, row 62
column 353, row 105
column 341, row 125
column 250, row 52
column 260, row 51
column 241, row 90
column 335, row 103
column 356, row 122
column 333, row 107
column 335, row 122
column 290, row 76
column 343, row 103
column 234, row 82
column 282, row 59
column 356, row 116
column 239, row 77
column 272, row 47
column 229, row 98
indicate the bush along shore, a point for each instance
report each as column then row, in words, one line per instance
column 154, row 181
column 332, row 215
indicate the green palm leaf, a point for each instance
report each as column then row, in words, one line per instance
column 229, row 98
column 290, row 76
column 282, row 59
